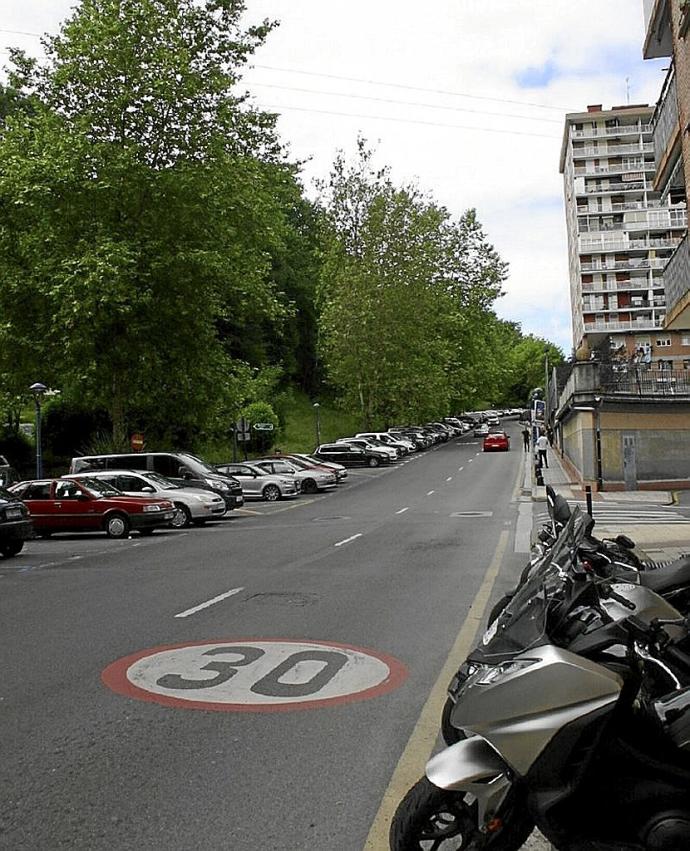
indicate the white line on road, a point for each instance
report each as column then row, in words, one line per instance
column 403, row 510
column 430, row 492
column 460, row 469
column 347, row 540
column 449, row 479
column 209, row 603
column 470, row 460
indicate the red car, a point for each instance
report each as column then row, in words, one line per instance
column 496, row 441
column 64, row 505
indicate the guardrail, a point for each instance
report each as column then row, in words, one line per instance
column 644, row 380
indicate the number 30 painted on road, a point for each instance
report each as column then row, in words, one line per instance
column 254, row 675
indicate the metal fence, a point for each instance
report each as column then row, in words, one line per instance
column 640, row 380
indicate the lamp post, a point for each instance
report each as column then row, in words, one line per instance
column 38, row 390
column 318, row 424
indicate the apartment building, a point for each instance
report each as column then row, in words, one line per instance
column 621, row 234
column 668, row 36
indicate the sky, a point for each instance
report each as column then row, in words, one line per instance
column 465, row 98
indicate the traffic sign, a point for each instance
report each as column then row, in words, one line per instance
column 136, row 441
column 243, row 436
column 254, row 675
column 263, row 426
column 242, row 425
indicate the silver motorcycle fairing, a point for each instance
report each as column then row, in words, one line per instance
column 473, row 766
column 648, row 605
column 520, row 712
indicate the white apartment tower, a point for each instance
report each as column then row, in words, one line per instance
column 620, row 234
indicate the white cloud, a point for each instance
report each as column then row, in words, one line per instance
column 594, row 49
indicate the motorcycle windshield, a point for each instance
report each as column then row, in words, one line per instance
column 522, row 624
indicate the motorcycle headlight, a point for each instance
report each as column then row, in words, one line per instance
column 505, row 669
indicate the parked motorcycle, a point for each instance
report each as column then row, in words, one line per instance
column 576, row 707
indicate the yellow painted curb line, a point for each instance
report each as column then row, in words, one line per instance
column 420, row 746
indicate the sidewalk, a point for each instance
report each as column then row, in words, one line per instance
column 658, row 541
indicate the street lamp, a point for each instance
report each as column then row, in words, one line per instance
column 38, row 391
column 318, row 424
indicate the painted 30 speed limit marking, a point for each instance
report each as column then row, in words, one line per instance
column 254, row 675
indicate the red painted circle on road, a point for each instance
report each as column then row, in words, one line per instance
column 254, row 674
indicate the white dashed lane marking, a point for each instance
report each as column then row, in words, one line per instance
column 402, row 510
column 347, row 540
column 208, row 603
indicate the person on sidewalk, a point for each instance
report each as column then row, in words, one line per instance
column 542, row 445
column 526, row 438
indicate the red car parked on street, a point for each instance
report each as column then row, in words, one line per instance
column 90, row 505
column 496, row 441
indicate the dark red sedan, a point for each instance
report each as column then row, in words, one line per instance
column 90, row 505
column 496, row 441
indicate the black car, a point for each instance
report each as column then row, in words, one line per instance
column 15, row 524
column 348, row 456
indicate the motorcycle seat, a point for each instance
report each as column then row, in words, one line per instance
column 673, row 575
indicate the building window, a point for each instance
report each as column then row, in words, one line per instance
column 685, row 340
column 686, row 364
column 665, row 341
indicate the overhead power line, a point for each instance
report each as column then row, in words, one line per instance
column 412, row 88
column 20, row 32
column 404, row 102
column 279, row 107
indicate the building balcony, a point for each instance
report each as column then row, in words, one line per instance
column 615, row 168
column 619, row 286
column 638, row 380
column 609, row 132
column 667, row 136
column 616, row 327
column 677, row 277
column 606, row 244
column 616, row 188
column 613, row 150
column 620, row 265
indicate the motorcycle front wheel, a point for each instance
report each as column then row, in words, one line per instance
column 433, row 819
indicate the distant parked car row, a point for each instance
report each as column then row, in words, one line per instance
column 145, row 491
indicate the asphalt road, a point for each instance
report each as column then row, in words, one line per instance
column 370, row 585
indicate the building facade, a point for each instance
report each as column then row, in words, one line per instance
column 621, row 234
column 668, row 36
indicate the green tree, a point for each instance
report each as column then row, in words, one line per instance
column 139, row 213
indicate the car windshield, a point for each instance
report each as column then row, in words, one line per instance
column 522, row 624
column 162, row 482
column 196, row 465
column 97, row 487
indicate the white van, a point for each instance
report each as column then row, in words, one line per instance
column 396, row 441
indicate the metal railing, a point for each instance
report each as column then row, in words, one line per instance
column 621, row 130
column 677, row 274
column 644, row 380
column 641, row 263
column 591, row 286
column 615, row 168
column 630, row 325
column 629, row 186
column 665, row 121
column 614, row 150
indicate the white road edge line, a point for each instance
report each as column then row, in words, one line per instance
column 208, row 603
column 347, row 540
column 460, row 469
column 403, row 510
column 449, row 479
column 430, row 492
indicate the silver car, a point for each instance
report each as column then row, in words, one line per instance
column 192, row 505
column 311, row 481
column 258, row 484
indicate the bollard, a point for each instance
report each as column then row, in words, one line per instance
column 588, row 497
column 538, row 474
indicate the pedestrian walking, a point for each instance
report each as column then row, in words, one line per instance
column 549, row 435
column 542, row 445
column 526, row 438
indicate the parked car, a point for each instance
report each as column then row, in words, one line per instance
column 386, row 454
column 182, row 468
column 306, row 462
column 258, row 484
column 192, row 505
column 310, row 480
column 15, row 524
column 480, row 430
column 399, row 442
column 348, row 456
column 496, row 441
column 89, row 505
column 417, row 436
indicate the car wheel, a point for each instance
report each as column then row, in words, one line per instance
column 271, row 493
column 182, row 516
column 373, row 462
column 309, row 486
column 11, row 548
column 117, row 525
